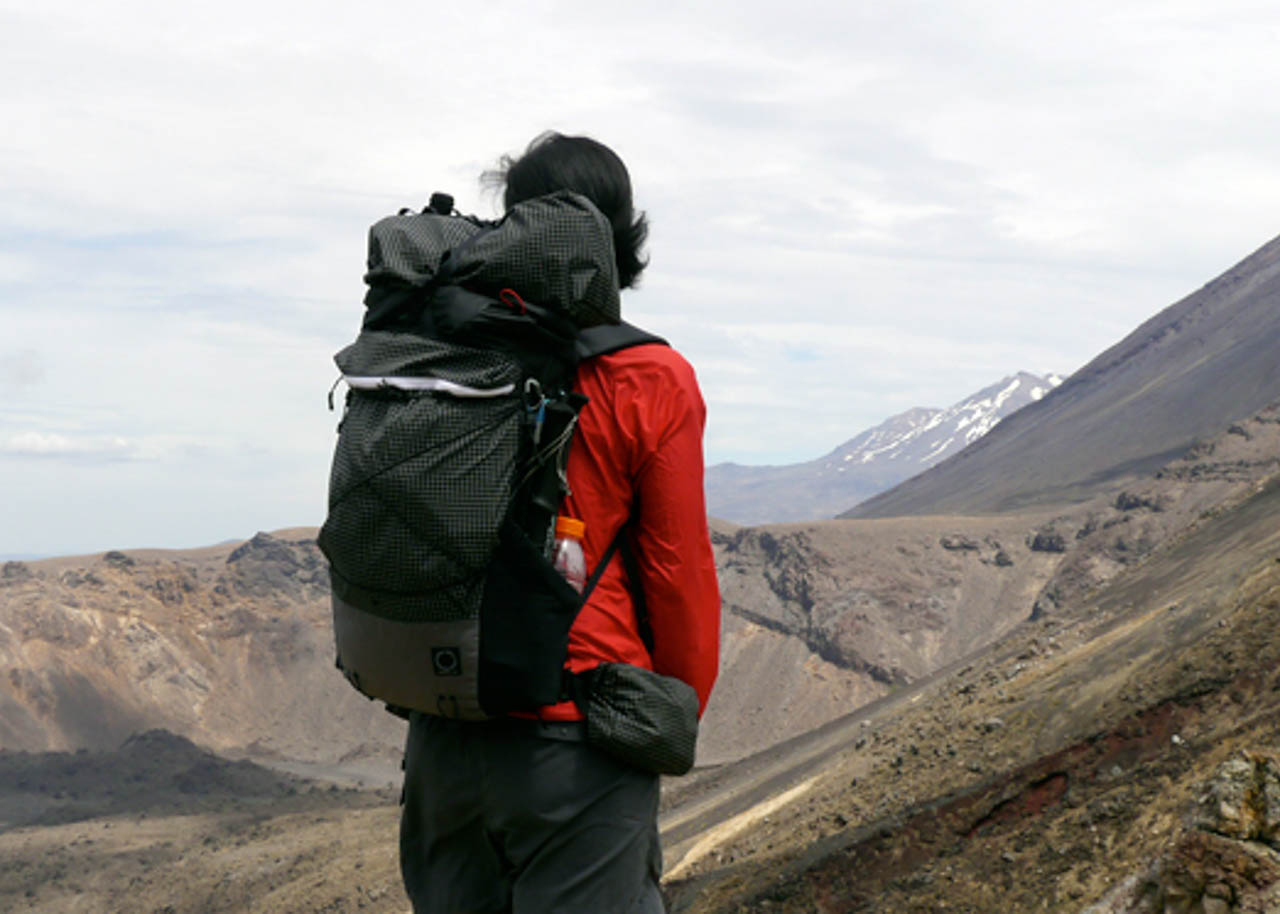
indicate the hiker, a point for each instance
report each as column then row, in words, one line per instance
column 521, row 814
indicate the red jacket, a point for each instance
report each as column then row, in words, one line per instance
column 638, row 453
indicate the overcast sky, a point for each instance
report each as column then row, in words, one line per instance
column 856, row 208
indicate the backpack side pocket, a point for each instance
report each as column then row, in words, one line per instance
column 525, row 617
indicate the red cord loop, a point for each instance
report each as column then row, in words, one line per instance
column 511, row 298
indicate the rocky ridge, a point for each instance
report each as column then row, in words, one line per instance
column 824, row 617
column 229, row 647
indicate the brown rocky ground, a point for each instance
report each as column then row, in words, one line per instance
column 1048, row 772
column 1041, row 777
column 1037, row 773
column 162, row 827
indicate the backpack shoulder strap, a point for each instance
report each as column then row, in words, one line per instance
column 606, row 338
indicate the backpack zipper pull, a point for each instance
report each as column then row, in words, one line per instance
column 536, row 404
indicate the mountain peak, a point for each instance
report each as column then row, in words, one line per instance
column 871, row 461
column 1184, row 374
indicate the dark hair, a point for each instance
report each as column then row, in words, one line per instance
column 554, row 162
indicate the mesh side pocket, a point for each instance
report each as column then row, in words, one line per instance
column 525, row 618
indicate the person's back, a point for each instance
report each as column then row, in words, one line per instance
column 637, row 458
column 522, row 814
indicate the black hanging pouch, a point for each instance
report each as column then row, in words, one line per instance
column 640, row 717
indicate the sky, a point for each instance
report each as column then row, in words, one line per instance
column 856, row 208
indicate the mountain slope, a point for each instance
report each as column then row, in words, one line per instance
column 825, row 616
column 1040, row 774
column 868, row 463
column 1185, row 373
column 1116, row 752
column 230, row 646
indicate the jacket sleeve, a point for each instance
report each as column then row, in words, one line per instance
column 673, row 546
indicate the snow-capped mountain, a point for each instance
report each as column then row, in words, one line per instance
column 1184, row 374
column 922, row 437
column 871, row 462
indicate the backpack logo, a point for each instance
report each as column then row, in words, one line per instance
column 446, row 661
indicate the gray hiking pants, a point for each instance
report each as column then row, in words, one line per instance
column 517, row 817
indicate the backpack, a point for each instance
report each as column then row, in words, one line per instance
column 450, row 463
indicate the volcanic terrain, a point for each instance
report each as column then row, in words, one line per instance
column 1043, row 676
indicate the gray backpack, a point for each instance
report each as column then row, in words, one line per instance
column 449, row 466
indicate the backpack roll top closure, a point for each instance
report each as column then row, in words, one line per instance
column 451, row 455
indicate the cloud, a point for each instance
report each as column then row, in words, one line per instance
column 53, row 445
column 855, row 208
column 20, row 368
